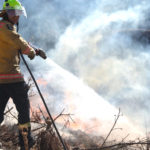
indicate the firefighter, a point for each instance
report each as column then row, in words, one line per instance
column 12, row 84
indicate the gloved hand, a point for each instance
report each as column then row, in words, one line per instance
column 31, row 55
column 41, row 53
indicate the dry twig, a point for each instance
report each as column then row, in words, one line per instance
column 111, row 128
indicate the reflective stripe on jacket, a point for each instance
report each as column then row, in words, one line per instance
column 10, row 44
column 11, row 76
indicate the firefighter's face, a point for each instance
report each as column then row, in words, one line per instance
column 13, row 19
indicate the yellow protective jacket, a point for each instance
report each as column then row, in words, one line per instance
column 10, row 44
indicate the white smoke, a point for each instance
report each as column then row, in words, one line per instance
column 88, row 38
column 98, row 50
column 91, row 113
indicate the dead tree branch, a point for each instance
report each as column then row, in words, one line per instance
column 119, row 145
column 111, row 129
column 9, row 109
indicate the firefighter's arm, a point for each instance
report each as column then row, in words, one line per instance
column 13, row 38
column 39, row 51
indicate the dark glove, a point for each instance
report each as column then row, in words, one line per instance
column 41, row 53
column 32, row 55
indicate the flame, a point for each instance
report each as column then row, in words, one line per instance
column 42, row 82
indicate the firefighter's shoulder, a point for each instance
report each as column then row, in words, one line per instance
column 2, row 24
column 5, row 25
column 8, row 31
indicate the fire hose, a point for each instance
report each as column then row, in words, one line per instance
column 38, row 89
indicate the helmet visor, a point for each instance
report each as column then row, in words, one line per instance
column 16, row 12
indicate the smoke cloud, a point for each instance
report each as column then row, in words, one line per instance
column 91, row 113
column 94, row 41
column 99, row 48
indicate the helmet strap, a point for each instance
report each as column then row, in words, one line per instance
column 17, row 26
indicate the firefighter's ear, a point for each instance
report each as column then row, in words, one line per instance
column 2, row 13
